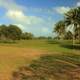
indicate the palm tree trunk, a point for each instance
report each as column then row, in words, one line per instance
column 74, row 38
column 79, row 34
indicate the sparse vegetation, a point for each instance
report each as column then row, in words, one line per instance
column 51, row 67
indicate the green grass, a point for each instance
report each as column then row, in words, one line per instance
column 40, row 44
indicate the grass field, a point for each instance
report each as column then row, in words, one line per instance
column 14, row 55
column 39, row 44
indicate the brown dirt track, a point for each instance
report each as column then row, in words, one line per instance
column 12, row 57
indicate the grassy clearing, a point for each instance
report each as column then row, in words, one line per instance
column 40, row 44
column 13, row 55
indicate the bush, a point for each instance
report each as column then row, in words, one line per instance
column 8, row 41
column 70, row 45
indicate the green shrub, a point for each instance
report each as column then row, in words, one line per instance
column 8, row 41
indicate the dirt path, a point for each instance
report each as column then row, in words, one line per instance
column 12, row 57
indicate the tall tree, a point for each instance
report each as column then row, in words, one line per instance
column 60, row 29
column 77, row 33
column 14, row 32
column 68, row 35
column 3, row 32
column 72, row 17
column 27, row 36
column 10, row 32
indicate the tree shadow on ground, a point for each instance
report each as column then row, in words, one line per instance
column 71, row 46
column 66, row 44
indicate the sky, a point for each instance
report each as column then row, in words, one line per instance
column 35, row 16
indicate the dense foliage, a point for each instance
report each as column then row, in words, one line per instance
column 70, row 25
column 13, row 32
column 27, row 36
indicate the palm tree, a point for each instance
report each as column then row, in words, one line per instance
column 77, row 33
column 60, row 29
column 68, row 35
column 73, row 18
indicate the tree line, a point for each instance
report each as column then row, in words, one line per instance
column 13, row 32
column 69, row 27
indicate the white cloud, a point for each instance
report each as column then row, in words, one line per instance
column 62, row 10
column 20, row 26
column 19, row 17
column 78, row 4
column 15, row 12
column 45, row 29
column 11, row 5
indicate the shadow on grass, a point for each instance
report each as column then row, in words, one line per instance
column 71, row 46
column 66, row 44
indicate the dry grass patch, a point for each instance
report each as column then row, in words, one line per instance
column 13, row 57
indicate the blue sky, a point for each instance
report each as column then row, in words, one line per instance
column 36, row 16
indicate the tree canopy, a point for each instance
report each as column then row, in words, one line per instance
column 71, row 18
column 13, row 32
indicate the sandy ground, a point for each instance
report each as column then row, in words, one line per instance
column 12, row 57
